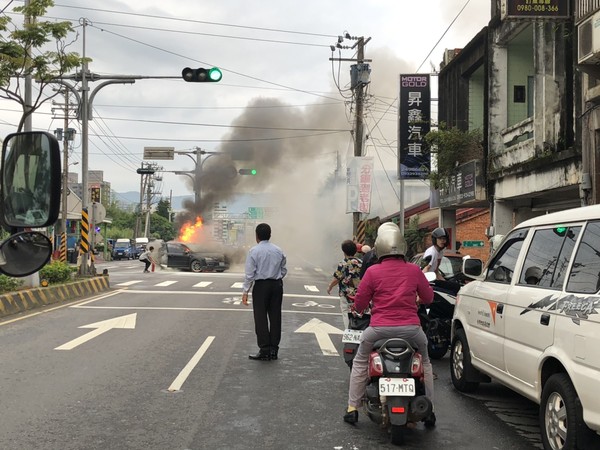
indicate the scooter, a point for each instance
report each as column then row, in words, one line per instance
column 351, row 336
column 395, row 395
column 436, row 318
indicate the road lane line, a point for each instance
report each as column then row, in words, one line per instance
column 203, row 284
column 182, row 292
column 129, row 283
column 185, row 372
column 237, row 285
column 68, row 305
column 166, row 283
column 311, row 288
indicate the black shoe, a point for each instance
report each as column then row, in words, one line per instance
column 273, row 355
column 351, row 417
column 260, row 356
column 430, row 421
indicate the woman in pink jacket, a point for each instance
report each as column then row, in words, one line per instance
column 393, row 286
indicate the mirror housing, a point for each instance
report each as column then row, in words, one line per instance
column 472, row 267
column 30, row 181
column 24, row 253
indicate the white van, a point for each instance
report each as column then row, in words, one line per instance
column 530, row 321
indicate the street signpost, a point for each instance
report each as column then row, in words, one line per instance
column 255, row 212
column 472, row 244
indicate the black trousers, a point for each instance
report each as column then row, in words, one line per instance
column 267, row 296
column 147, row 262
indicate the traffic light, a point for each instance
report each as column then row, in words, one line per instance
column 202, row 75
column 247, row 171
column 146, row 171
column 95, row 195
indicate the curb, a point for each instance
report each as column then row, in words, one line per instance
column 27, row 299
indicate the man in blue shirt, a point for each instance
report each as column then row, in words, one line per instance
column 265, row 269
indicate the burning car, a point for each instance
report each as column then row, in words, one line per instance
column 181, row 256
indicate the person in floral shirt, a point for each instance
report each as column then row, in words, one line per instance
column 347, row 277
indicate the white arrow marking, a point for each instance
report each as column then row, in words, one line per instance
column 311, row 288
column 321, row 331
column 127, row 321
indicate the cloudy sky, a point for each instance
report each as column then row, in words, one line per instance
column 282, row 104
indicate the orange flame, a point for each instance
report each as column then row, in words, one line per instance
column 189, row 231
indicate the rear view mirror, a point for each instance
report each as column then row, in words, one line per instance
column 24, row 253
column 30, row 180
column 472, row 267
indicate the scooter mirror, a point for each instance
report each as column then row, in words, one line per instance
column 24, row 253
column 430, row 276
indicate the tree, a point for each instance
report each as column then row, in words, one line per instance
column 163, row 208
column 453, row 147
column 161, row 228
column 24, row 52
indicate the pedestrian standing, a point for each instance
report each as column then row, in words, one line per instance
column 264, row 272
column 146, row 258
column 347, row 277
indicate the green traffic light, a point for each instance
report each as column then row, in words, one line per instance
column 253, row 172
column 215, row 74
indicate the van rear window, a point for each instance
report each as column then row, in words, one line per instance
column 585, row 274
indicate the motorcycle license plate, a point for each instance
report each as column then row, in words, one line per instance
column 351, row 336
column 397, row 387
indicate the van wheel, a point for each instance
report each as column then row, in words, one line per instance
column 561, row 416
column 460, row 363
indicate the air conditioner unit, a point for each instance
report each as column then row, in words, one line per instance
column 588, row 31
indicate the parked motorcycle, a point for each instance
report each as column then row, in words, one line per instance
column 395, row 394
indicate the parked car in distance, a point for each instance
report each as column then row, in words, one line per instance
column 530, row 320
column 123, row 249
column 181, row 256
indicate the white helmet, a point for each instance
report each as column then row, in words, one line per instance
column 390, row 241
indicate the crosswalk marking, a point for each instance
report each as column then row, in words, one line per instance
column 311, row 288
column 166, row 283
column 203, row 284
column 237, row 285
column 129, row 283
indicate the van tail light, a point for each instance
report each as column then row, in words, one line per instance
column 375, row 365
column 416, row 368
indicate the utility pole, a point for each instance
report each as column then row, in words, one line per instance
column 359, row 134
column 357, row 85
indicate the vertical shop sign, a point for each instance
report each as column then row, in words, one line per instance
column 414, row 161
column 359, row 177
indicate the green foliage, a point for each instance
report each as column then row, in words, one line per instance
column 415, row 238
column 161, row 228
column 163, row 208
column 25, row 51
column 56, row 272
column 453, row 147
column 119, row 233
column 9, row 284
